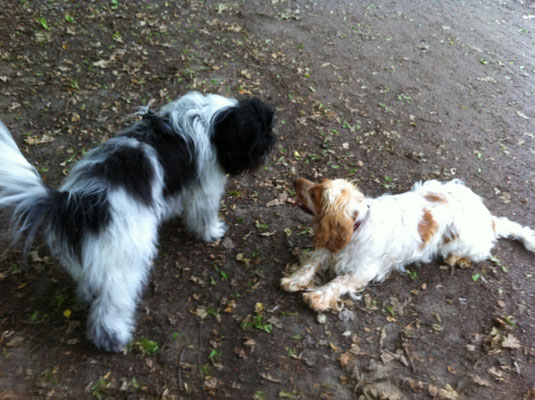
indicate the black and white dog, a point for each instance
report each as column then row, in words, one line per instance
column 102, row 223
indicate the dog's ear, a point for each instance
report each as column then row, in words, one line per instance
column 333, row 231
column 243, row 135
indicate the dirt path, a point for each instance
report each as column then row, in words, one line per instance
column 385, row 93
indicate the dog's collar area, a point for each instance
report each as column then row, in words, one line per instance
column 357, row 223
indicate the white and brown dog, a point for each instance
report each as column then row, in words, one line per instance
column 362, row 239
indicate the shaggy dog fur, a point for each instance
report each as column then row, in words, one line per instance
column 102, row 223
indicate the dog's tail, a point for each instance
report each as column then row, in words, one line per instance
column 505, row 228
column 22, row 191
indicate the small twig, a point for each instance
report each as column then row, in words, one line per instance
column 406, row 351
column 199, row 348
column 428, row 120
column 180, row 366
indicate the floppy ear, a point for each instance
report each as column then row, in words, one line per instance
column 333, row 231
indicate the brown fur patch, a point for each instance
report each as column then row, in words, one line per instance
column 427, row 228
column 334, row 228
column 449, row 236
column 310, row 194
column 435, row 198
column 316, row 194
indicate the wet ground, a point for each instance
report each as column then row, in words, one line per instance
column 385, row 93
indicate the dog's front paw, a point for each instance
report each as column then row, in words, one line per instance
column 320, row 300
column 293, row 284
column 215, row 232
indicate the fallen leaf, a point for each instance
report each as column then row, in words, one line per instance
column 432, row 390
column 489, row 79
column 198, row 281
column 510, row 342
column 268, row 377
column 335, row 348
column 273, row 203
column 210, row 382
column 522, row 115
column 495, row 373
column 345, row 358
column 227, row 243
column 448, row 393
column 200, row 312
column 34, row 140
column 16, row 341
column 275, row 322
column 240, row 353
column 480, row 381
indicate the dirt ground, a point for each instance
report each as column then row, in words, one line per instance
column 382, row 92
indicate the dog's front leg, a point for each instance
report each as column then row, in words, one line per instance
column 201, row 207
column 303, row 278
column 328, row 296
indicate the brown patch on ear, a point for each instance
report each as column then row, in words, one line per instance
column 435, row 198
column 427, row 227
column 334, row 229
column 316, row 194
column 333, row 232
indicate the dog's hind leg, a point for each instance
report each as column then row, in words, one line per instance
column 112, row 313
column 116, row 268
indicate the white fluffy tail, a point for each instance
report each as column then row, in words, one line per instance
column 19, row 180
column 505, row 228
column 22, row 191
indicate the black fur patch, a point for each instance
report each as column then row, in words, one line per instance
column 76, row 214
column 174, row 154
column 243, row 135
column 71, row 216
column 126, row 167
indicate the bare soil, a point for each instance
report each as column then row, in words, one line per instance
column 382, row 92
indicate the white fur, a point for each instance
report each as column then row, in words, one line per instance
column 387, row 236
column 193, row 114
column 20, row 181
